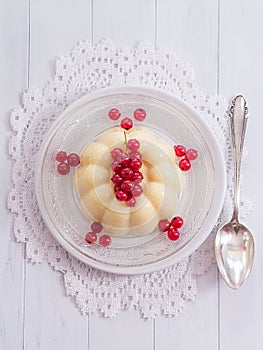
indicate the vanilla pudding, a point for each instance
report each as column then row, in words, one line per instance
column 163, row 183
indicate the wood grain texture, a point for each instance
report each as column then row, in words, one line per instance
column 126, row 331
column 191, row 27
column 241, row 71
column 126, row 22
column 51, row 320
column 13, row 78
column 35, row 313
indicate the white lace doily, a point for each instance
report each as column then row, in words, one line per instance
column 85, row 69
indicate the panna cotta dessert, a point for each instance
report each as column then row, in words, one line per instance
column 128, row 180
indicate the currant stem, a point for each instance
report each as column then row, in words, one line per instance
column 125, row 141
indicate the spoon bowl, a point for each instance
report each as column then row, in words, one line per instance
column 234, row 253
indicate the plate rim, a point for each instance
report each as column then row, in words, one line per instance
column 219, row 192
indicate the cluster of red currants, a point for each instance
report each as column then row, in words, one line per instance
column 171, row 227
column 139, row 114
column 126, row 175
column 186, row 156
column 66, row 161
column 91, row 237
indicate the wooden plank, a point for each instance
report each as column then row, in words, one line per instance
column 13, row 73
column 51, row 319
column 124, row 22
column 196, row 326
column 241, row 56
column 126, row 331
column 191, row 27
column 56, row 26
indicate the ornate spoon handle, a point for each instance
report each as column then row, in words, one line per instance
column 238, row 119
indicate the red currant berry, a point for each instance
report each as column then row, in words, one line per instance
column 136, row 155
column 126, row 123
column 136, row 164
column 73, row 159
column 115, row 153
column 184, row 164
column 114, row 114
column 139, row 114
column 96, row 227
column 164, row 225
column 137, row 177
column 105, row 240
column 179, row 150
column 91, row 237
column 191, row 154
column 121, row 196
column 116, row 167
column 177, row 222
column 127, row 173
column 63, row 168
column 127, row 185
column 124, row 159
column 131, row 202
column 173, row 234
column 133, row 145
column 116, row 179
column 129, row 196
column 117, row 188
column 137, row 191
column 61, row 156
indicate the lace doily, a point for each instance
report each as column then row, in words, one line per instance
column 85, row 69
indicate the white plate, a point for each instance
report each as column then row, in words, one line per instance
column 175, row 121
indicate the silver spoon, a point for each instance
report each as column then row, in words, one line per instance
column 234, row 244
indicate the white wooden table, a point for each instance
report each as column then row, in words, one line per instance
column 222, row 39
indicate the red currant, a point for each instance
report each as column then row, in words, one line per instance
column 179, row 150
column 116, row 179
column 124, row 159
column 137, row 177
column 61, row 156
column 139, row 114
column 121, row 196
column 127, row 185
column 105, row 240
column 126, row 123
column 63, row 168
column 114, row 114
column 136, row 155
column 116, row 167
column 133, row 145
column 136, row 164
column 177, row 222
column 131, row 202
column 173, row 234
column 73, row 159
column 115, row 153
column 129, row 195
column 191, row 154
column 137, row 191
column 127, row 173
column 164, row 225
column 117, row 188
column 96, row 227
column 184, row 164
column 91, row 237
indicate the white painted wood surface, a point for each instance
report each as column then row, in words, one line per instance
column 223, row 42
